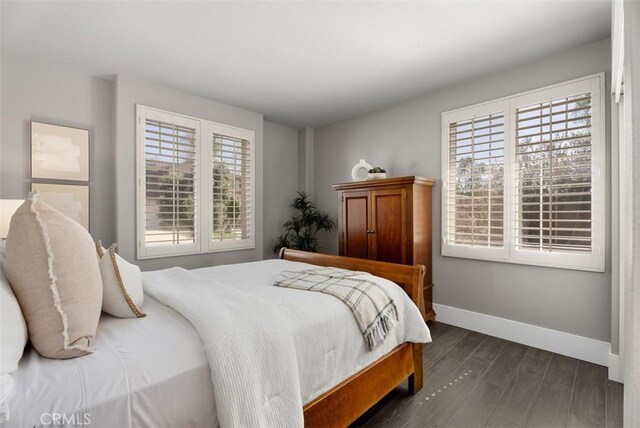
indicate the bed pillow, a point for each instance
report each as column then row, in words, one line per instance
column 13, row 335
column 122, row 293
column 54, row 273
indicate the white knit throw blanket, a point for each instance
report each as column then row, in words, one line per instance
column 373, row 308
column 250, row 349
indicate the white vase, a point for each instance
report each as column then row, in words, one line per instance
column 355, row 172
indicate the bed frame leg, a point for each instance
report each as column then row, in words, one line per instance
column 415, row 380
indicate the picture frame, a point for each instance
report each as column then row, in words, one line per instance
column 59, row 152
column 71, row 200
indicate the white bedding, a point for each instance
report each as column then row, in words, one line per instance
column 148, row 372
column 153, row 371
column 250, row 350
column 329, row 346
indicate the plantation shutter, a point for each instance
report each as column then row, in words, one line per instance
column 475, row 194
column 170, row 183
column 233, row 184
column 554, row 175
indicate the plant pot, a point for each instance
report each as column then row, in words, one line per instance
column 376, row 175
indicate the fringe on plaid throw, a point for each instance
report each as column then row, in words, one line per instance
column 373, row 308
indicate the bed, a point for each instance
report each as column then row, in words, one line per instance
column 155, row 372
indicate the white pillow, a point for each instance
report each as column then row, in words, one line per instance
column 13, row 335
column 121, row 284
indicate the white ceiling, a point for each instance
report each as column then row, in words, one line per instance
column 300, row 63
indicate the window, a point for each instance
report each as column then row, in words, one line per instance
column 232, row 187
column 523, row 178
column 195, row 185
column 476, row 171
column 553, row 175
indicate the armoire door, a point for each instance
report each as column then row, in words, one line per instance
column 355, row 225
column 388, row 226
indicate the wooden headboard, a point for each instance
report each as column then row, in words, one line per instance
column 410, row 278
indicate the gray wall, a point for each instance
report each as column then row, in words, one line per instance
column 280, row 179
column 406, row 139
column 305, row 160
column 46, row 93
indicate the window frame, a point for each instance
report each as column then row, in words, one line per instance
column 593, row 261
column 204, row 186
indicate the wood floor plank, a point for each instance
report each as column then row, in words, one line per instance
column 479, row 407
column 456, row 392
column 552, row 406
column 506, row 364
column 588, row 403
column 437, row 329
column 485, row 395
column 440, row 372
column 434, row 351
column 562, row 370
column 403, row 412
column 614, row 404
column 518, row 399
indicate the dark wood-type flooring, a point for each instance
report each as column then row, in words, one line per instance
column 475, row 380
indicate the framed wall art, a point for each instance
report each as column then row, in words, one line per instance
column 59, row 152
column 71, row 200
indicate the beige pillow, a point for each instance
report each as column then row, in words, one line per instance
column 122, row 293
column 54, row 274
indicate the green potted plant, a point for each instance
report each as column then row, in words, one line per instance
column 302, row 227
column 377, row 172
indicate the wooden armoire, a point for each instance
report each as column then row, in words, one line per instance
column 388, row 220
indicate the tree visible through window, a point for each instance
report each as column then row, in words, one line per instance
column 231, row 188
column 476, row 165
column 553, row 155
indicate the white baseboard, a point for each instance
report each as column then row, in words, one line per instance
column 615, row 369
column 571, row 345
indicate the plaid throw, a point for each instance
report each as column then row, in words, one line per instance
column 373, row 308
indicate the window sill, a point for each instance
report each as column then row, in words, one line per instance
column 586, row 265
column 194, row 253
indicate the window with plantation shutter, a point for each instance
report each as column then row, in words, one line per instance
column 523, row 178
column 195, row 185
column 553, row 175
column 476, row 174
column 232, row 163
column 169, row 181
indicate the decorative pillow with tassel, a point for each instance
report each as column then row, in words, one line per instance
column 54, row 274
column 121, row 284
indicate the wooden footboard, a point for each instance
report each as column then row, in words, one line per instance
column 348, row 400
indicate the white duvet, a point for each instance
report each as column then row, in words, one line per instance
column 270, row 349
